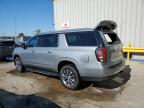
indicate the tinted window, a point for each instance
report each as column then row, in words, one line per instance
column 81, row 39
column 112, row 38
column 48, row 40
column 1, row 43
column 32, row 42
column 7, row 43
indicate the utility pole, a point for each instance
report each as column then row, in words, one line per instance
column 15, row 28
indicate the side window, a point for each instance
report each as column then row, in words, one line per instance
column 32, row 42
column 9, row 43
column 108, row 39
column 81, row 39
column 48, row 40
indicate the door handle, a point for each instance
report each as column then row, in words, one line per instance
column 50, row 51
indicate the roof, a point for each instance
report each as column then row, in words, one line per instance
column 105, row 25
column 68, row 30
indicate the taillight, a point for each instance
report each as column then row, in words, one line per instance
column 101, row 54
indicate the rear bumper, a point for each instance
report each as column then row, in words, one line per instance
column 108, row 72
column 97, row 79
column 93, row 79
column 5, row 55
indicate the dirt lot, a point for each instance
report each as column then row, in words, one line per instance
column 124, row 91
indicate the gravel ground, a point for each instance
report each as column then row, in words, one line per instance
column 124, row 91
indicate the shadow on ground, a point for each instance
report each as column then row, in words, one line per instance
column 10, row 100
column 111, row 83
column 101, row 91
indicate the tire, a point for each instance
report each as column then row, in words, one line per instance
column 19, row 65
column 69, row 77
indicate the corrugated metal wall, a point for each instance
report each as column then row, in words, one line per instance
column 129, row 15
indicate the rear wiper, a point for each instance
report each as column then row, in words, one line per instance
column 116, row 42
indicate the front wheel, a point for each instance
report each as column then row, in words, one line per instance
column 69, row 77
column 19, row 65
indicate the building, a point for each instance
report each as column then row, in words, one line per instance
column 129, row 15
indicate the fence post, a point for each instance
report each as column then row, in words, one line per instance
column 128, row 53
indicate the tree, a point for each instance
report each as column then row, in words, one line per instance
column 20, row 34
column 37, row 32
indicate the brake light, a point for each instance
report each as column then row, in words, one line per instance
column 101, row 54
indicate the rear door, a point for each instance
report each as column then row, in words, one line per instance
column 114, row 48
column 112, row 42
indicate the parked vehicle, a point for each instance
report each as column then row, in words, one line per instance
column 6, row 48
column 74, row 55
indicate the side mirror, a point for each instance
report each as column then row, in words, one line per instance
column 23, row 45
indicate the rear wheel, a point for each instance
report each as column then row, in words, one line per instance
column 19, row 65
column 69, row 77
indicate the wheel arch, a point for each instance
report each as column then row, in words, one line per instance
column 14, row 57
column 67, row 61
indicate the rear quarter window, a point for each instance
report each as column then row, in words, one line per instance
column 81, row 39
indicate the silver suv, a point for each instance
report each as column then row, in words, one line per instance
column 74, row 55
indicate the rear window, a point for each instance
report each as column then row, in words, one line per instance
column 112, row 38
column 81, row 39
column 7, row 43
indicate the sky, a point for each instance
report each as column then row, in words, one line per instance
column 25, row 16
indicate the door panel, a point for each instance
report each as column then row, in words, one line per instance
column 44, row 53
column 29, row 56
column 45, row 57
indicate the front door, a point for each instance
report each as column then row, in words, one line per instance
column 46, row 50
column 29, row 57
